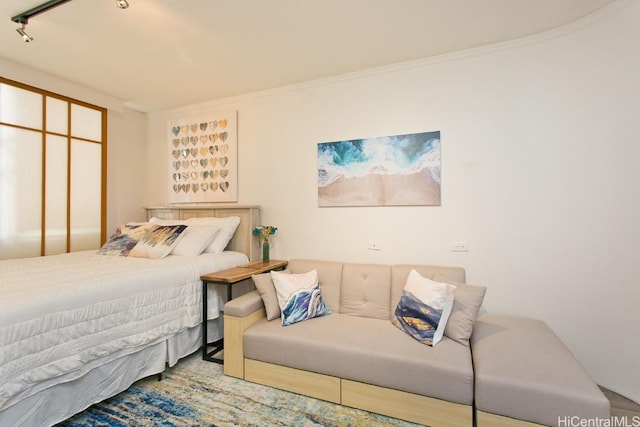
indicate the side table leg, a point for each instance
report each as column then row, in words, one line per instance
column 204, row 320
column 216, row 346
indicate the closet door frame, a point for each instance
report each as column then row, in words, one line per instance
column 100, row 138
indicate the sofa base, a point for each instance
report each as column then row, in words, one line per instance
column 406, row 406
column 310, row 384
column 389, row 402
column 485, row 419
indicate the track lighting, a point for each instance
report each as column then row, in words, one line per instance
column 23, row 18
column 26, row 37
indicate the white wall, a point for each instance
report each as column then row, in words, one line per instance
column 126, row 167
column 539, row 175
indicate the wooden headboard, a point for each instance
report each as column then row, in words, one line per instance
column 242, row 241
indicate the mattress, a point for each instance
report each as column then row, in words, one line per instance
column 60, row 313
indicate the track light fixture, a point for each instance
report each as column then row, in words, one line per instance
column 23, row 18
column 26, row 37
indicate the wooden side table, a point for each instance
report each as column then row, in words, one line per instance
column 229, row 278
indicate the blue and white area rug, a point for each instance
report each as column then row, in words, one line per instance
column 197, row 393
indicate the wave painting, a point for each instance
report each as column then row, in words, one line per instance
column 398, row 170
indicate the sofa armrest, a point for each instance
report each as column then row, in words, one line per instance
column 239, row 314
column 244, row 305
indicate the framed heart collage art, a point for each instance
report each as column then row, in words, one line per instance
column 203, row 159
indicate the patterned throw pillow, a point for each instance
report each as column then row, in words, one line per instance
column 124, row 239
column 158, row 241
column 299, row 296
column 424, row 308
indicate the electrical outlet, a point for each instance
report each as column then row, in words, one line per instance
column 373, row 245
column 459, row 246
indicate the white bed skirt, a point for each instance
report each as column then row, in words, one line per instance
column 103, row 379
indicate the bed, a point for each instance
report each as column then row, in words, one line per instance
column 78, row 328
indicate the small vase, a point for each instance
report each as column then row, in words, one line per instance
column 265, row 252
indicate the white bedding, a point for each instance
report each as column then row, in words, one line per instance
column 60, row 313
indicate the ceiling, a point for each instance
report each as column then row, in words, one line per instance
column 161, row 54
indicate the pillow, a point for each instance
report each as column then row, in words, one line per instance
column 424, row 308
column 160, row 221
column 227, row 225
column 158, row 241
column 467, row 301
column 298, row 296
column 195, row 239
column 264, row 285
column 124, row 239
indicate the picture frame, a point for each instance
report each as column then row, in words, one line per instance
column 203, row 158
column 398, row 170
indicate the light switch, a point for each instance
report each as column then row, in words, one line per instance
column 459, row 246
column 373, row 245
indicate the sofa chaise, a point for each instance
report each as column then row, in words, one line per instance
column 356, row 357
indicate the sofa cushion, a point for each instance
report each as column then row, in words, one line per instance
column 299, row 296
column 524, row 371
column 368, row 350
column 424, row 308
column 329, row 277
column 444, row 371
column 366, row 289
column 264, row 285
column 467, row 301
column 334, row 345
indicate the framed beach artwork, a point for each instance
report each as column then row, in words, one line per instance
column 399, row 170
column 203, row 159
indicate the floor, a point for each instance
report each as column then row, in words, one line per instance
column 622, row 407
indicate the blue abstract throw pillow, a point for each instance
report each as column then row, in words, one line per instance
column 299, row 296
column 424, row 308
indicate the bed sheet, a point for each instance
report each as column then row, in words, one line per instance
column 58, row 313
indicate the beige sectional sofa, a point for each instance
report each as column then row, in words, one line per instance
column 356, row 357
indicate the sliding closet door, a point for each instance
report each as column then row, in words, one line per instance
column 86, row 174
column 20, row 172
column 20, row 192
column 52, row 173
column 56, row 183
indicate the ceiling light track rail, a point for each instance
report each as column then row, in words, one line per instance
column 23, row 18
